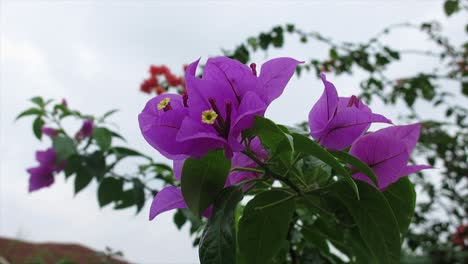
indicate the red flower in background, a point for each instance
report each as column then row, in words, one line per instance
column 460, row 238
column 161, row 79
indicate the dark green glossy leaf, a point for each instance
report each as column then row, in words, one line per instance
column 357, row 164
column 103, row 137
column 271, row 136
column 64, row 146
column 374, row 218
column 402, row 198
column 218, row 241
column 203, row 179
column 305, row 145
column 110, row 189
column 264, row 226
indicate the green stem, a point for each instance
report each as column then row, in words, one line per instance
column 277, row 202
column 273, row 174
column 247, row 169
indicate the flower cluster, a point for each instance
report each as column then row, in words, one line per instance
column 153, row 83
column 49, row 164
column 338, row 122
column 211, row 115
column 224, row 102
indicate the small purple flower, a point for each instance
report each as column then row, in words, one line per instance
column 336, row 122
column 170, row 197
column 86, row 130
column 226, row 99
column 51, row 132
column 43, row 175
column 387, row 152
column 160, row 122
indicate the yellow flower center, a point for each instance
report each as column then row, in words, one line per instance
column 163, row 103
column 209, row 116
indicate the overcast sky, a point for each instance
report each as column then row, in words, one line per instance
column 96, row 53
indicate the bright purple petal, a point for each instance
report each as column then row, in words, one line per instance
column 251, row 105
column 409, row 134
column 51, row 132
column 324, row 109
column 200, row 90
column 47, row 157
column 160, row 127
column 413, row 169
column 86, row 130
column 344, row 103
column 168, row 198
column 274, row 75
column 177, row 168
column 201, row 137
column 40, row 177
column 347, row 126
column 387, row 156
column 231, row 74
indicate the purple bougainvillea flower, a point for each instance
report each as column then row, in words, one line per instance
column 226, row 99
column 171, row 197
column 86, row 130
column 43, row 175
column 51, row 132
column 387, row 152
column 336, row 122
column 160, row 122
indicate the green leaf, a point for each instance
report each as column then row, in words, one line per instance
column 264, row 226
column 305, row 145
column 64, row 146
column 74, row 162
column 203, row 179
column 103, row 137
column 82, row 179
column 402, row 198
column 96, row 164
column 110, row 189
column 179, row 219
column 139, row 194
column 218, row 241
column 271, row 135
column 374, row 218
column 30, row 111
column 357, row 164
column 109, row 113
column 122, row 152
column 126, row 200
column 38, row 100
column 451, row 6
column 37, row 126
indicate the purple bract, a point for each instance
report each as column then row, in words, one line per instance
column 387, row 152
column 43, row 175
column 336, row 122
